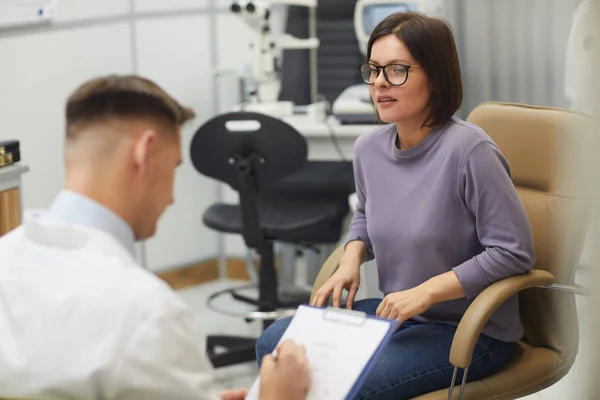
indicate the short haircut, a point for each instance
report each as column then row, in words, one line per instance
column 121, row 97
column 431, row 43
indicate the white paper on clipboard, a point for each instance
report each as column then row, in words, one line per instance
column 340, row 346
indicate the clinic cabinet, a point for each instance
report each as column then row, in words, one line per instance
column 10, row 197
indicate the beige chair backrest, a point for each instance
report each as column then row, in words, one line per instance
column 548, row 152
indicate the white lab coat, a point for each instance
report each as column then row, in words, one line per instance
column 79, row 319
column 582, row 44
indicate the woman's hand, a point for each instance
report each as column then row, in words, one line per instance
column 239, row 394
column 404, row 305
column 346, row 277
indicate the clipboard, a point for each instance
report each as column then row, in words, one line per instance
column 342, row 347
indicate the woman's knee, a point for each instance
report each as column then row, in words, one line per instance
column 268, row 340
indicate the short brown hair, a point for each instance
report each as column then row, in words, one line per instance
column 431, row 43
column 122, row 96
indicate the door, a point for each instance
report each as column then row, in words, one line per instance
column 10, row 210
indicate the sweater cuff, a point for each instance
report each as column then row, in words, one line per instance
column 367, row 243
column 471, row 277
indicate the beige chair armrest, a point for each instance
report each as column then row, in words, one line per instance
column 328, row 269
column 482, row 308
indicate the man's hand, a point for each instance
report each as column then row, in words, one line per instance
column 237, row 394
column 404, row 305
column 285, row 376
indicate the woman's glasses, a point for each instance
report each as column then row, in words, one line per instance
column 395, row 74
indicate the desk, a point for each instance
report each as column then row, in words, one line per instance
column 10, row 197
column 321, row 136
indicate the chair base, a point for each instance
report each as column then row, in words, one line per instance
column 288, row 302
column 237, row 350
column 242, row 349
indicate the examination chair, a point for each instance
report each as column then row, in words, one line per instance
column 259, row 157
column 546, row 149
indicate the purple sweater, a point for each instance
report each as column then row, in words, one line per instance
column 446, row 204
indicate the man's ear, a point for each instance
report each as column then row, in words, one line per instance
column 143, row 147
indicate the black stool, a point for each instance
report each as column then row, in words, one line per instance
column 263, row 159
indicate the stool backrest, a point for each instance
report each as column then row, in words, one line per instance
column 250, row 152
column 272, row 147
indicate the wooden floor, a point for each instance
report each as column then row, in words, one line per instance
column 206, row 271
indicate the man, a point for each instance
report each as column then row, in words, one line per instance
column 78, row 317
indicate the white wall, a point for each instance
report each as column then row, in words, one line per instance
column 78, row 10
column 37, row 73
column 171, row 5
column 170, row 42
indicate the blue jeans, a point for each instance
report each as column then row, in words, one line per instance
column 416, row 360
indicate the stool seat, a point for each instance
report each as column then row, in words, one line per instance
column 284, row 222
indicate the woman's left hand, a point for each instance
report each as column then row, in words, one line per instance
column 404, row 305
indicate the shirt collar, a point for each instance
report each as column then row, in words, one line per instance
column 77, row 209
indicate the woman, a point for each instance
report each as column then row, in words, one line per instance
column 436, row 209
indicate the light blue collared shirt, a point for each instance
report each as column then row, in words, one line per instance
column 77, row 209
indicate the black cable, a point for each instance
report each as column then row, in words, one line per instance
column 334, row 141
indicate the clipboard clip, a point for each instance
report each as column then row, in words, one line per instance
column 349, row 317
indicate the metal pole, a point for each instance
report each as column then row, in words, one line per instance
column 575, row 289
column 464, row 382
column 312, row 33
column 452, row 383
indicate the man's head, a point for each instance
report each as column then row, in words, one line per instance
column 123, row 144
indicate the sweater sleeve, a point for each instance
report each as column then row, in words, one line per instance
column 358, row 224
column 500, row 219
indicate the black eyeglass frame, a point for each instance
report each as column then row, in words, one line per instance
column 380, row 68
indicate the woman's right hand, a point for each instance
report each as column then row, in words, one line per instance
column 346, row 277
